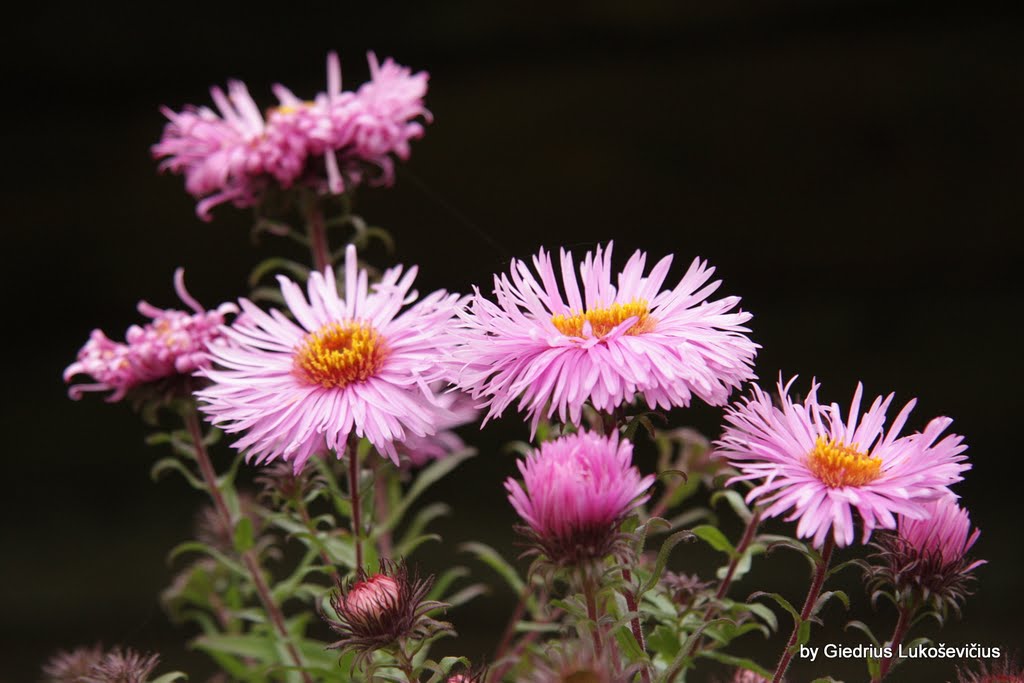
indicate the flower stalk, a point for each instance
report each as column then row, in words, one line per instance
column 192, row 424
column 805, row 613
column 898, row 634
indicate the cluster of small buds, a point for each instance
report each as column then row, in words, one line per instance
column 93, row 665
column 173, row 344
column 327, row 143
column 685, row 589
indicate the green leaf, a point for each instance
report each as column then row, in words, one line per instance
column 763, row 613
column 735, row 501
column 779, row 600
column 828, row 595
column 170, row 677
column 427, row 477
column 243, row 535
column 739, row 662
column 492, row 559
column 276, row 263
column 664, row 641
column 466, row 594
column 630, row 647
column 863, row 628
column 714, row 538
column 260, row 648
column 659, row 566
column 172, row 464
column 197, row 547
column 803, row 634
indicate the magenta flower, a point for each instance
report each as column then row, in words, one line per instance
column 356, row 364
column 327, row 143
column 173, row 344
column 821, row 467
column 605, row 344
column 576, row 491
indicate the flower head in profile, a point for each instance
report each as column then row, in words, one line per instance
column 172, row 346
column 576, row 491
column 554, row 345
column 328, row 143
column 351, row 364
column 925, row 562
column 374, row 611
column 821, row 464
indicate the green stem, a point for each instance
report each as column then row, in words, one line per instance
column 590, row 593
column 195, row 431
column 812, row 597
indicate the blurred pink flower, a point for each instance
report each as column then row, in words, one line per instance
column 605, row 345
column 576, row 490
column 233, row 154
column 173, row 343
column 822, row 467
column 458, row 409
column 356, row 364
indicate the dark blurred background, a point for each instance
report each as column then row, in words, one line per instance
column 854, row 169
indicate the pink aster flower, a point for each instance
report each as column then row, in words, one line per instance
column 925, row 562
column 173, row 344
column 353, row 364
column 391, row 105
column 235, row 153
column 222, row 155
column 576, row 491
column 605, row 344
column 820, row 466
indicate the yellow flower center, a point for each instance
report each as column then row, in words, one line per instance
column 290, row 108
column 836, row 464
column 340, row 353
column 605, row 319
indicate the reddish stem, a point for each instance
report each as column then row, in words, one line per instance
column 900, row 632
column 638, row 632
column 745, row 541
column 812, row 597
column 249, row 556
